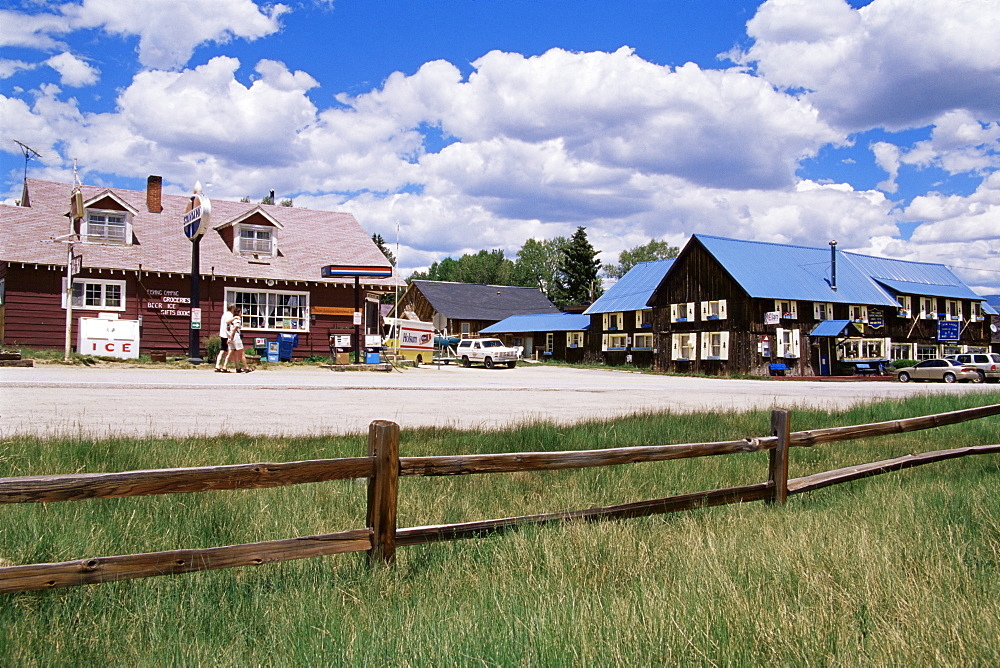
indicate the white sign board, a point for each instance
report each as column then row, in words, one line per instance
column 772, row 317
column 108, row 338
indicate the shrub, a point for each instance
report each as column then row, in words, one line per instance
column 212, row 345
column 899, row 364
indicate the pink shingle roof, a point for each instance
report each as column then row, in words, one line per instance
column 307, row 240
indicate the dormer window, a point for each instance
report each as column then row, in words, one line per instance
column 256, row 240
column 106, row 227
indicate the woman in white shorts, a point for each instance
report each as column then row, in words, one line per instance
column 236, row 342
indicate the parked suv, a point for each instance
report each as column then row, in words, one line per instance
column 987, row 363
column 489, row 352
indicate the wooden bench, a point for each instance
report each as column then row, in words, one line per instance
column 864, row 369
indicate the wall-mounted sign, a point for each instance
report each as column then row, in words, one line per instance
column 332, row 310
column 772, row 317
column 875, row 318
column 948, row 330
column 168, row 303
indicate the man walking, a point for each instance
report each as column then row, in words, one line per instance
column 227, row 319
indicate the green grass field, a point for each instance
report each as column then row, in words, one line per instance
column 900, row 569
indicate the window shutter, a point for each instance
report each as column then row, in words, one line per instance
column 691, row 306
column 779, row 342
column 604, row 341
column 673, row 313
column 795, row 310
column 724, row 349
column 675, row 346
column 605, row 327
column 706, row 340
column 704, row 310
column 723, row 315
column 795, row 343
column 816, row 311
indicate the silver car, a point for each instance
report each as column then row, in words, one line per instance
column 942, row 369
column 987, row 363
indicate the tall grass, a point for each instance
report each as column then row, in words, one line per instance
column 901, row 569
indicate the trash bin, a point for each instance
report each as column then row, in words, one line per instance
column 373, row 356
column 286, row 342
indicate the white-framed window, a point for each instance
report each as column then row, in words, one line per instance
column 715, row 345
column 928, row 309
column 466, row 330
column 642, row 342
column 864, row 349
column 927, row 352
column 901, row 351
column 644, row 318
column 787, row 308
column 953, row 309
column 683, row 312
column 714, row 310
column 905, row 308
column 256, row 240
column 977, row 307
column 787, row 342
column 275, row 311
column 859, row 313
column 107, row 227
column 684, row 346
column 550, row 342
column 613, row 321
column 822, row 311
column 96, row 294
column 574, row 339
column 614, row 341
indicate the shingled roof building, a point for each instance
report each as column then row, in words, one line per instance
column 466, row 308
column 136, row 265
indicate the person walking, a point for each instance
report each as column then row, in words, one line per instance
column 236, row 342
column 227, row 318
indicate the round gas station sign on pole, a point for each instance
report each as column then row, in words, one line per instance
column 198, row 217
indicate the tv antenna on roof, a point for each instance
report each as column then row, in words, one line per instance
column 28, row 153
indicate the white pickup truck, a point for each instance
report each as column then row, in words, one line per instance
column 489, row 352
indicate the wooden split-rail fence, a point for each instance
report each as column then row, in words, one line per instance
column 383, row 466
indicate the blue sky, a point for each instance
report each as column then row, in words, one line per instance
column 469, row 124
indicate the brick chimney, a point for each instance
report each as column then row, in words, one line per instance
column 154, row 194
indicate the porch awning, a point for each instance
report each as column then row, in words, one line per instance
column 835, row 328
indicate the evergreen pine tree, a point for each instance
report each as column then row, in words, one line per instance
column 578, row 281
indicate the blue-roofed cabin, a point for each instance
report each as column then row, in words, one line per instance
column 621, row 322
column 728, row 306
column 545, row 336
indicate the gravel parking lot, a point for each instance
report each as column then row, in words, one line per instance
column 55, row 400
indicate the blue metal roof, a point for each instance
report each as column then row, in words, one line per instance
column 632, row 290
column 833, row 328
column 778, row 271
column 545, row 322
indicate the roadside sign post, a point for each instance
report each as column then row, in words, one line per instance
column 197, row 218
column 357, row 271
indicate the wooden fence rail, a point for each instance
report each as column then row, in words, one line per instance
column 382, row 467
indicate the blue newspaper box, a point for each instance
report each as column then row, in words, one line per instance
column 272, row 351
column 285, row 344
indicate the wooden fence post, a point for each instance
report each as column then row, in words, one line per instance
column 383, row 445
column 777, row 472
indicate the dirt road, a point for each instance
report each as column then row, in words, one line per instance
column 50, row 400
